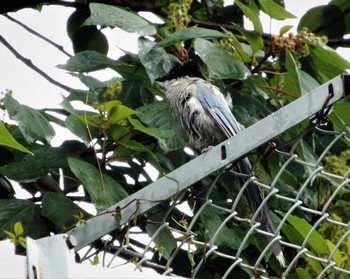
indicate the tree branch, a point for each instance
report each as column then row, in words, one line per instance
column 279, row 91
column 339, row 43
column 30, row 64
column 138, row 6
column 30, row 30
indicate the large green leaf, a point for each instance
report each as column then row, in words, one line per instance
column 103, row 190
column 38, row 165
column 33, row 125
column 251, row 15
column 134, row 147
column 230, row 236
column 135, row 94
column 88, row 61
column 77, row 127
column 308, row 83
column 331, row 20
column 254, row 39
column 292, row 80
column 128, row 66
column 190, row 33
column 339, row 116
column 157, row 115
column 164, row 240
column 323, row 63
column 62, row 218
column 156, row 60
column 274, row 10
column 117, row 112
column 8, row 140
column 326, row 54
column 221, row 64
column 24, row 211
column 108, row 15
column 316, row 241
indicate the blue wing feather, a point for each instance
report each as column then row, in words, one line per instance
column 218, row 109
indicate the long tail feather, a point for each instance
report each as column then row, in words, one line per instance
column 255, row 198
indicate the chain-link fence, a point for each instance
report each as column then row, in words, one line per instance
column 304, row 189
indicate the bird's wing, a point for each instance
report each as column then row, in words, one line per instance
column 216, row 106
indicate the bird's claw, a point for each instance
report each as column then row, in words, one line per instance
column 207, row 149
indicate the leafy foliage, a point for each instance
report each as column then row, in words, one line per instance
column 126, row 125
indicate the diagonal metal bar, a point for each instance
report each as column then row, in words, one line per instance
column 214, row 159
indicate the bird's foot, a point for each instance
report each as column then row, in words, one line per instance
column 207, row 149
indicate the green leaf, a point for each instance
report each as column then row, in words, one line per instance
column 117, row 112
column 314, row 264
column 243, row 51
column 190, row 33
column 338, row 121
column 31, row 168
column 120, row 134
column 316, row 241
column 11, row 235
column 6, row 189
column 221, row 64
column 153, row 132
column 292, row 81
column 96, row 88
column 77, row 127
column 231, row 236
column 138, row 147
column 285, row 29
column 308, row 83
column 164, row 240
column 103, row 190
column 251, row 15
column 156, row 60
column 88, row 61
column 254, row 39
column 89, row 38
column 18, row 228
column 330, row 20
column 8, row 140
column 108, row 15
column 157, row 115
column 337, row 255
column 24, row 211
column 33, row 125
column 326, row 54
column 135, row 94
column 342, row 110
column 303, row 273
column 274, row 10
column 62, row 218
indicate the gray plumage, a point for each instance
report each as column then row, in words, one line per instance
column 206, row 116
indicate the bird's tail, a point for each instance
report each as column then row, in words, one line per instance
column 255, row 197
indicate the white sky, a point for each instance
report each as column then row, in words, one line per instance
column 33, row 90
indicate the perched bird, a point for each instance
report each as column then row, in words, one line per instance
column 206, row 116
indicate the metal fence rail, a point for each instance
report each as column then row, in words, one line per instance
column 171, row 191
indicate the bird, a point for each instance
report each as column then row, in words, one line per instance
column 206, row 116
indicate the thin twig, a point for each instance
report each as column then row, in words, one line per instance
column 279, row 91
column 30, row 30
column 30, row 64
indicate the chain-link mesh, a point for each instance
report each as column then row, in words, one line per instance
column 306, row 188
column 316, row 213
